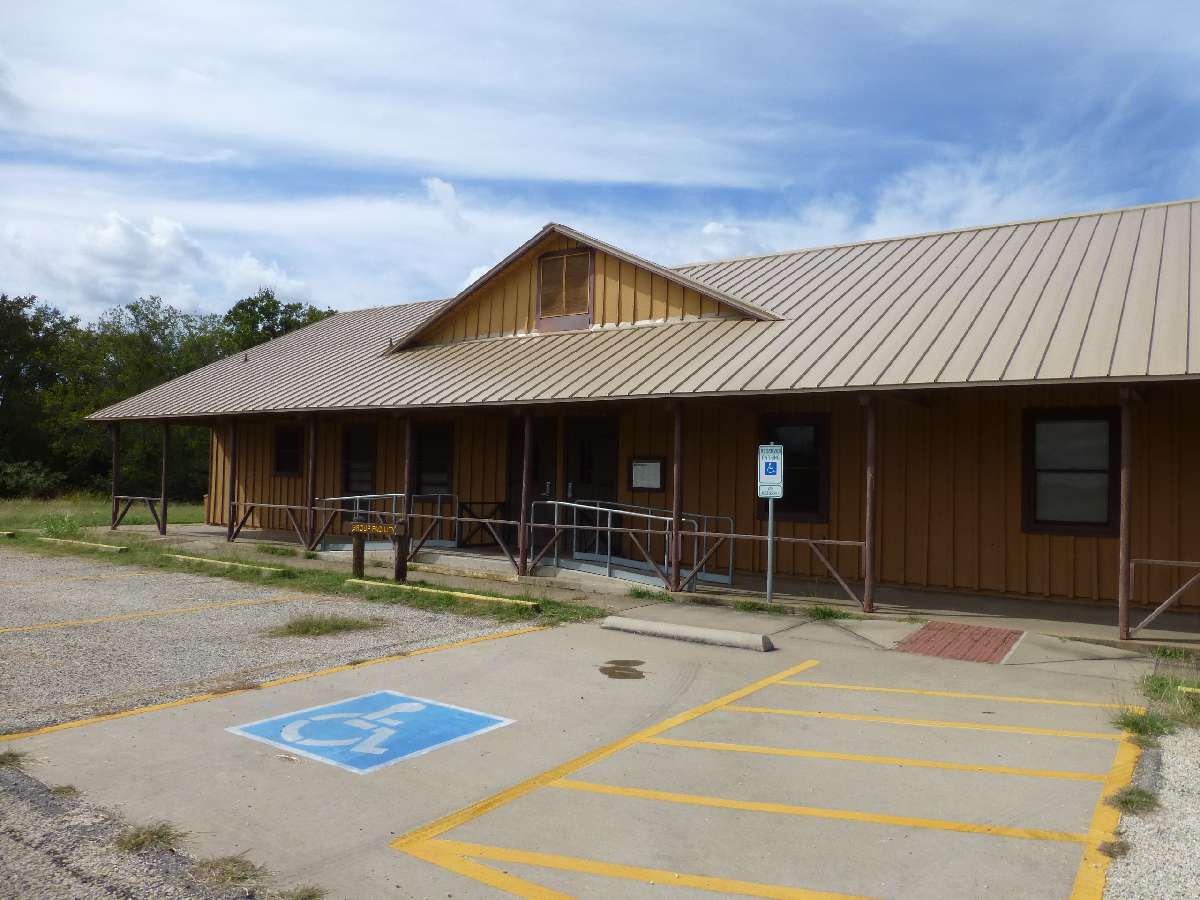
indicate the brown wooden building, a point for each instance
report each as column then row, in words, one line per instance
column 1007, row 410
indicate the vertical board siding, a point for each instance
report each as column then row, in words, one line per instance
column 623, row 294
column 950, row 483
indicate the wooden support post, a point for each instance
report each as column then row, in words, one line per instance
column 115, row 431
column 162, row 493
column 400, row 545
column 409, row 480
column 1124, row 573
column 231, row 480
column 310, row 484
column 677, row 500
column 868, row 551
column 523, row 536
column 358, row 543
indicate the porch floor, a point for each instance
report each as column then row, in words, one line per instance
column 477, row 567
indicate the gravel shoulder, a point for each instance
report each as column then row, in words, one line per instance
column 61, row 847
column 1163, row 862
column 55, row 675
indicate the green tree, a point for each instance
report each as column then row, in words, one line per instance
column 32, row 337
column 261, row 317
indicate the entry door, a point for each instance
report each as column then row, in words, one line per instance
column 590, row 463
column 543, row 469
column 358, row 459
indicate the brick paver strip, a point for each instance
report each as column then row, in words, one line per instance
column 972, row 643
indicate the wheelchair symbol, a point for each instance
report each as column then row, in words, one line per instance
column 376, row 723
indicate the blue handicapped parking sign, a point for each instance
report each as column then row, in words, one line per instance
column 368, row 732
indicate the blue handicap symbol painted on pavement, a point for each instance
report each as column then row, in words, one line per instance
column 368, row 732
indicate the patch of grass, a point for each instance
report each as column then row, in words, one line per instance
column 316, row 626
column 755, row 606
column 311, row 554
column 1181, row 654
column 230, row 687
column 223, row 870
column 274, row 550
column 914, row 620
column 155, row 836
column 821, row 612
column 305, row 892
column 1134, row 800
column 86, row 511
column 1147, row 724
column 65, row 791
column 13, row 759
column 641, row 593
column 61, row 525
column 1114, row 849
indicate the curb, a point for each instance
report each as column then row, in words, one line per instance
column 263, row 570
column 718, row 637
column 110, row 548
column 462, row 595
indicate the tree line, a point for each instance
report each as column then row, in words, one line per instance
column 55, row 371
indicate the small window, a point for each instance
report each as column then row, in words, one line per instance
column 358, row 459
column 433, row 462
column 565, row 290
column 289, row 447
column 805, row 440
column 1071, row 459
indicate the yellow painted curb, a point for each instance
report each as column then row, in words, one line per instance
column 8, row 534
column 266, row 570
column 111, row 548
column 462, row 595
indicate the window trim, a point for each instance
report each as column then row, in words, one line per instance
column 287, row 473
column 1032, row 416
column 572, row 321
column 825, row 439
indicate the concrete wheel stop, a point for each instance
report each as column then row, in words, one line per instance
column 717, row 637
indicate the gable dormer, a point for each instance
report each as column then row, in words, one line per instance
column 562, row 280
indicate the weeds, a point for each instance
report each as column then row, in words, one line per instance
column 61, row 525
column 317, row 626
column 305, row 892
column 65, row 791
column 821, row 612
column 754, row 606
column 155, row 836
column 1146, row 727
column 13, row 759
column 222, row 870
column 1114, row 849
column 311, row 554
column 641, row 593
column 1134, row 800
column 1178, row 654
column 275, row 550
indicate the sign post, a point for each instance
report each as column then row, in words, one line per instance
column 770, row 488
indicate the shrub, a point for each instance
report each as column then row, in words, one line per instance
column 29, row 479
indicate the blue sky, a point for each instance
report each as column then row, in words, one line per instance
column 362, row 153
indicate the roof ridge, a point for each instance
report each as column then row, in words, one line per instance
column 924, row 234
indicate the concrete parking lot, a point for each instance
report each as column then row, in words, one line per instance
column 636, row 766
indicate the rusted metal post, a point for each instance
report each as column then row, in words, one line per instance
column 115, row 431
column 868, row 551
column 1124, row 579
column 358, row 544
column 162, row 493
column 526, row 492
column 677, row 499
column 231, row 480
column 310, row 484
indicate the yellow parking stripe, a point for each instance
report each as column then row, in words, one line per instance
column 449, row 855
column 176, row 610
column 877, row 760
column 958, row 695
column 630, row 873
column 927, row 723
column 1093, row 868
column 1033, row 834
column 275, row 682
column 475, row 810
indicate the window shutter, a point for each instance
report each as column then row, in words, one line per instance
column 552, row 286
column 575, row 283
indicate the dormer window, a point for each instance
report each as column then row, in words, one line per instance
column 565, row 290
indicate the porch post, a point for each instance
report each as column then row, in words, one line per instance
column 677, row 498
column 231, row 480
column 1124, row 579
column 310, row 484
column 114, row 430
column 526, row 492
column 162, row 493
column 868, row 551
column 409, row 468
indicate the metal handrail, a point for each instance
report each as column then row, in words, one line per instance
column 604, row 512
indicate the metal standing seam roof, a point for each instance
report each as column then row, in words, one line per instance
column 1084, row 298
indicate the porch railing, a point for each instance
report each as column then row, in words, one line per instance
column 1171, row 600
